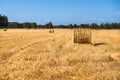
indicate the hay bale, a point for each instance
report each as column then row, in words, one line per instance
column 5, row 29
column 51, row 31
column 82, row 35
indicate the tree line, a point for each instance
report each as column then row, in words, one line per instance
column 22, row 25
column 4, row 23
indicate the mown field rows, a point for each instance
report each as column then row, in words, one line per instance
column 40, row 55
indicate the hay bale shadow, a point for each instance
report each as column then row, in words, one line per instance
column 98, row 44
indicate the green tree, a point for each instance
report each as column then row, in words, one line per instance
column 3, row 21
column 75, row 25
column 101, row 26
column 49, row 25
column 33, row 25
column 94, row 26
column 84, row 25
column 106, row 25
column 13, row 25
column 70, row 26
column 26, row 25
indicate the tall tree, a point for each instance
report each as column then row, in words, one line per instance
column 33, row 25
column 3, row 21
column 49, row 25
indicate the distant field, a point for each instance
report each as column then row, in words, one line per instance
column 35, row 54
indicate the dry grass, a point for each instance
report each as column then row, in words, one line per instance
column 39, row 55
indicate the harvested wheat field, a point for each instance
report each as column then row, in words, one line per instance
column 36, row 54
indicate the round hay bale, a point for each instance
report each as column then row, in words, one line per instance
column 5, row 29
column 51, row 31
column 82, row 35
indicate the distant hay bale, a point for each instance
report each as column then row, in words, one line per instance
column 4, row 29
column 51, row 31
column 82, row 35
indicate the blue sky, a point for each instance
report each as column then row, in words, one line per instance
column 61, row 11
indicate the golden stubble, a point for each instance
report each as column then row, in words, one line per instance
column 36, row 54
